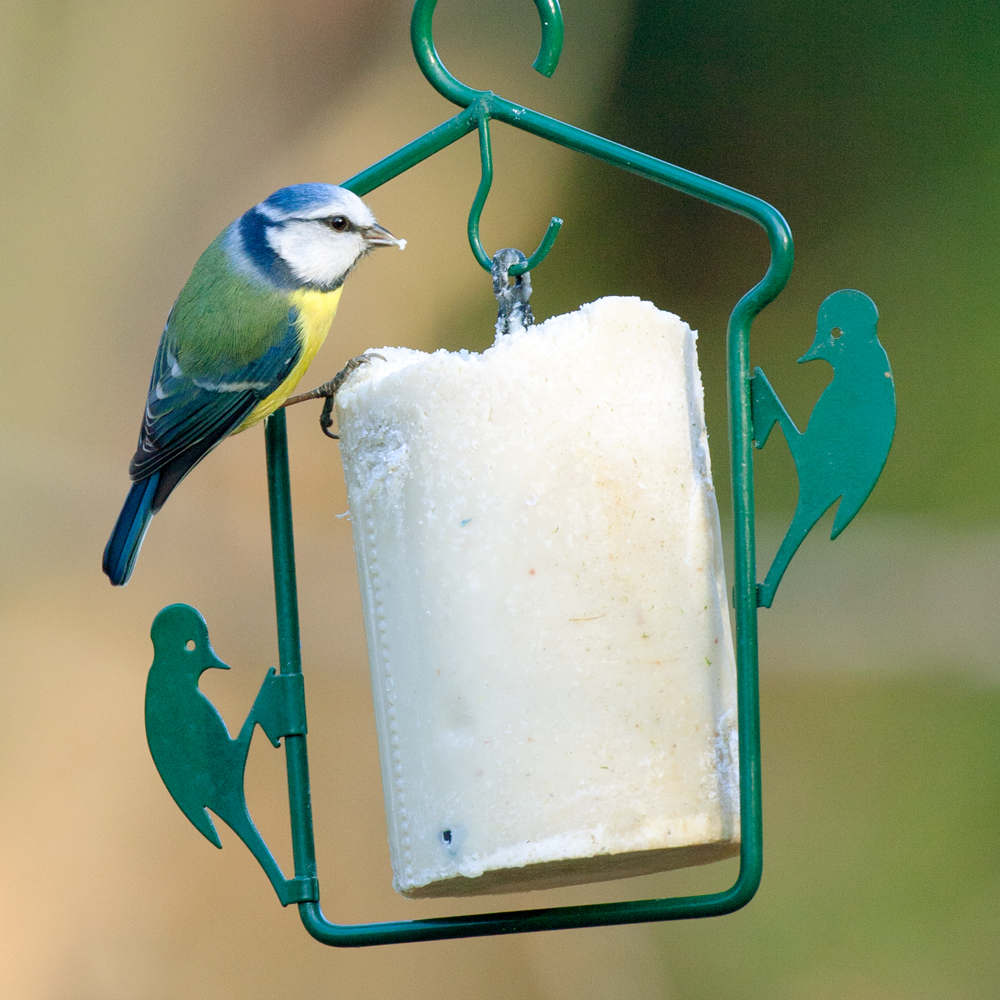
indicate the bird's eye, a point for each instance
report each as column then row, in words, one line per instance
column 339, row 223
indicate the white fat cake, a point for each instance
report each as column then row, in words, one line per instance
column 538, row 547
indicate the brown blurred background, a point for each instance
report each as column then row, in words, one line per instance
column 132, row 133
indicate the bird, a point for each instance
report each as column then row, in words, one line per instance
column 843, row 449
column 244, row 329
column 199, row 762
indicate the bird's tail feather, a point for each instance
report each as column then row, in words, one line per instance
column 130, row 529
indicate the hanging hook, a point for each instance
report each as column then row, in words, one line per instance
column 555, row 224
column 422, row 39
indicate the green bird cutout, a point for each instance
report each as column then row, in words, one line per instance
column 199, row 762
column 842, row 451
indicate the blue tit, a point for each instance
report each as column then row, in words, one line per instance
column 246, row 325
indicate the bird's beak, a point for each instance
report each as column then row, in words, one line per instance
column 376, row 236
column 822, row 347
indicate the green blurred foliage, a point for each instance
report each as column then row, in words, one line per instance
column 874, row 127
column 881, row 872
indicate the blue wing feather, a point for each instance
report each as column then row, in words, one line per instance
column 202, row 390
column 188, row 416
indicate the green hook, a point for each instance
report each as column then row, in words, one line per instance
column 486, row 158
column 422, row 38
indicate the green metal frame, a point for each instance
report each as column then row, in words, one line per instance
column 202, row 765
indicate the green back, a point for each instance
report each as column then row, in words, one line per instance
column 222, row 319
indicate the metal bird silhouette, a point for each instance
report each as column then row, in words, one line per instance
column 199, row 762
column 843, row 449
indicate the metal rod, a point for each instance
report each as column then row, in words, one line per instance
column 745, row 591
column 289, row 645
column 412, row 153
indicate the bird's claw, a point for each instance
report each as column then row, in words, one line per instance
column 328, row 391
column 326, row 418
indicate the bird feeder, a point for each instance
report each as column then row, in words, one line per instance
column 442, row 553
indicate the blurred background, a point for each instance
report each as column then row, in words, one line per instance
column 132, row 133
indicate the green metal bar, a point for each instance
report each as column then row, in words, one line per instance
column 769, row 218
column 289, row 644
column 488, row 105
column 552, row 37
column 412, row 153
column 745, row 581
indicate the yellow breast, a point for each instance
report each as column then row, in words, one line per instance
column 316, row 311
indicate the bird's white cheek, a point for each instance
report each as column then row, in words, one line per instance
column 314, row 254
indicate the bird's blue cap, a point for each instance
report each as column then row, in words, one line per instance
column 301, row 198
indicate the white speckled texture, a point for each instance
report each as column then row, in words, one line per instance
column 541, row 570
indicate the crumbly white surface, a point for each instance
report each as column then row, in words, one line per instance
column 538, row 547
